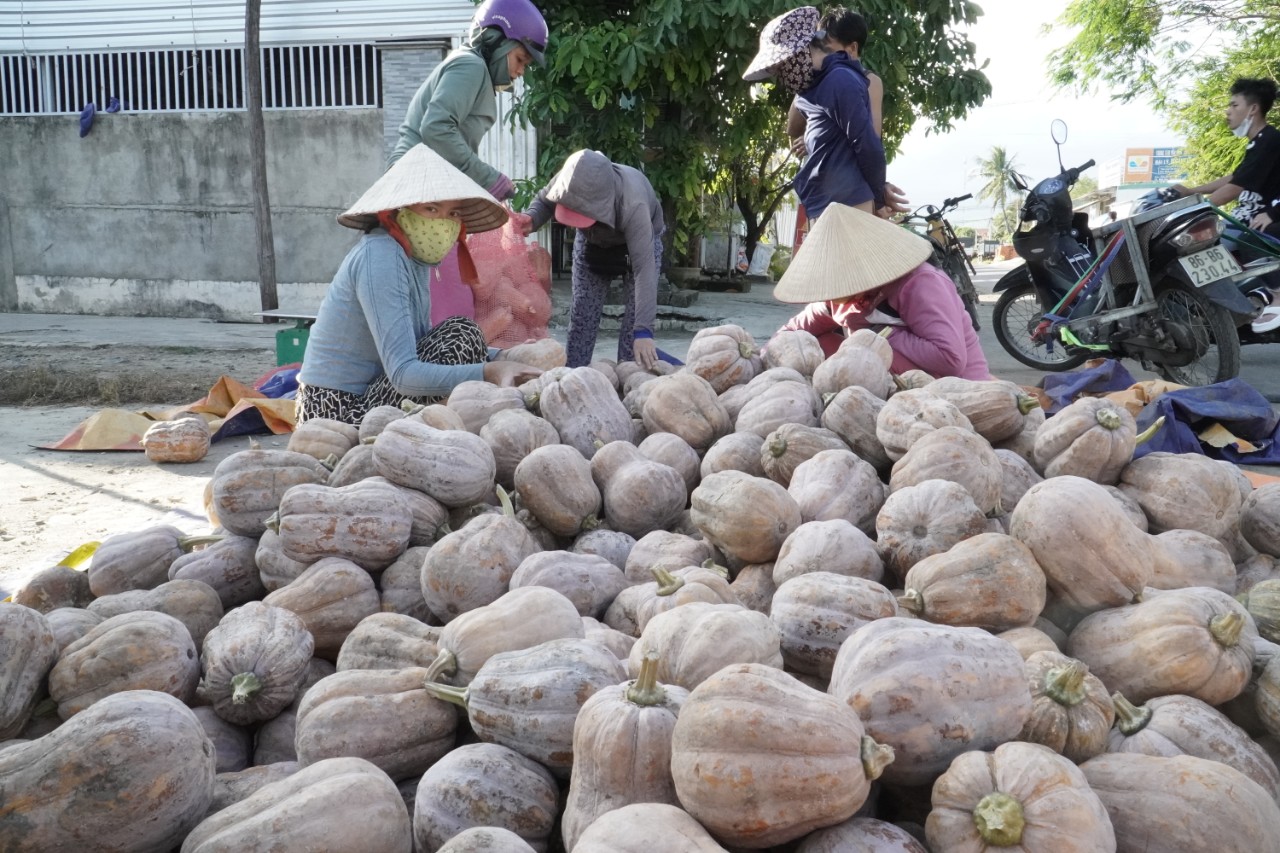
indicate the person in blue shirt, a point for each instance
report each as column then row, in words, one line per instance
column 846, row 162
column 373, row 342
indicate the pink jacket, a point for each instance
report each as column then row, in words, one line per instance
column 936, row 334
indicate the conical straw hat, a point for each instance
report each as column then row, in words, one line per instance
column 422, row 175
column 849, row 252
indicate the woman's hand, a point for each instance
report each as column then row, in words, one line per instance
column 509, row 373
column 645, row 352
column 523, row 223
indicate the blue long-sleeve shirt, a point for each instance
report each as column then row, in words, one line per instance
column 846, row 158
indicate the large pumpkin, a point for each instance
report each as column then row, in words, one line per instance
column 918, row 521
column 837, row 484
column 585, row 410
column 28, row 650
column 746, row 517
column 686, row 405
column 694, row 641
column 254, row 662
column 639, row 494
column 1071, row 712
column 247, row 486
column 556, row 485
column 724, row 356
column 368, row 523
column 452, row 466
column 956, row 454
column 988, row 581
column 816, row 612
column 1092, row 438
column 331, row 597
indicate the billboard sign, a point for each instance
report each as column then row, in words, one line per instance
column 1152, row 165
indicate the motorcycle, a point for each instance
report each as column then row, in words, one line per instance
column 948, row 252
column 1157, row 287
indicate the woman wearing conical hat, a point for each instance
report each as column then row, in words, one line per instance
column 857, row 271
column 373, row 342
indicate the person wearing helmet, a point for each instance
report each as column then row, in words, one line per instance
column 455, row 107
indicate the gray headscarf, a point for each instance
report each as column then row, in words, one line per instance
column 493, row 45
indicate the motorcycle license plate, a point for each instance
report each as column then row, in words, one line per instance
column 1211, row 265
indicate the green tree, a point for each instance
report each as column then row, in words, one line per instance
column 1005, row 221
column 1000, row 173
column 1086, row 185
column 658, row 84
column 1181, row 55
column 966, row 231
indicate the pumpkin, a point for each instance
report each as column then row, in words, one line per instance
column 437, row 416
column 585, row 410
column 723, row 356
column 798, row 350
column 331, row 597
column 988, row 581
column 275, row 739
column 513, row 434
column 877, row 342
column 1092, row 438
column 1185, row 491
column 275, row 568
column 139, row 560
column 918, row 521
column 472, row 567
column 1020, row 796
column 634, row 606
column 1071, row 712
column 1091, row 553
column 671, row 450
column 544, row 354
column 1183, row 725
column 70, row 624
column 685, row 405
column 692, row 642
column 994, row 407
column 760, row 759
column 1260, row 519
column 232, row 744
column 452, row 466
column 618, row 643
column 836, row 484
column 737, row 451
column 486, row 839
column 856, row 365
column 835, row 546
column 788, row 401
column 229, row 567
column 336, row 804
column 908, row 415
column 639, row 494
column 1029, row 640
column 555, row 484
column 231, row 788
column 737, row 397
column 643, row 827
column 861, row 835
column 613, row 545
column 183, row 440
column 133, row 651
column 54, row 587
column 931, row 692
column 589, row 581
column 1195, row 641
column 753, row 586
column 427, row 515
column 477, row 401
column 852, row 414
column 1182, row 804
column 792, row 444
column 1017, row 477
column 247, row 486
column 747, row 518
column 193, row 603
column 815, row 612
column 472, row 638
column 1262, row 600
column 389, row 641
column 1024, row 443
column 413, row 730
column 376, row 419
column 528, row 699
column 133, row 772
column 1183, row 558
column 484, row 784
column 254, row 662
column 955, row 454
column 663, row 549
column 324, row 437
column 28, row 650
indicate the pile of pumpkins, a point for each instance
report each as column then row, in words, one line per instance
column 762, row 602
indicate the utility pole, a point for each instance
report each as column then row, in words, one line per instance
column 258, row 157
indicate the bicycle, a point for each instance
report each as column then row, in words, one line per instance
column 949, row 254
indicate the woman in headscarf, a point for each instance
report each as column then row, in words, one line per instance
column 455, row 107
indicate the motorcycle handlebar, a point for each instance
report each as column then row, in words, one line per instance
column 952, row 202
column 1075, row 173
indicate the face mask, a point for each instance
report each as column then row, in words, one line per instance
column 429, row 239
column 796, row 73
column 1242, row 130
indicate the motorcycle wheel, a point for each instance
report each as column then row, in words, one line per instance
column 1197, row 321
column 964, row 286
column 1016, row 316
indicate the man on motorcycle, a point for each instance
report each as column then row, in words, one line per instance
column 1255, row 184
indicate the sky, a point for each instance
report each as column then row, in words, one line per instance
column 930, row 167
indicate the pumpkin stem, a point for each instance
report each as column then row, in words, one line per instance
column 456, row 695
column 1130, row 718
column 745, row 349
column 912, row 600
column 830, row 395
column 711, row 564
column 186, row 543
column 254, row 444
column 1108, row 419
column 1147, row 434
column 1065, row 684
column 369, row 439
column 902, row 384
column 645, row 690
column 446, row 663
column 330, row 462
column 999, row 819
column 777, row 446
column 1026, row 403
column 875, row 757
column 505, row 500
column 667, row 582
column 273, row 522
column 244, row 685
column 1226, row 629
column 886, row 331
column 590, row 523
column 409, row 407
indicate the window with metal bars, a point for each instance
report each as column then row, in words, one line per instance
column 204, row 79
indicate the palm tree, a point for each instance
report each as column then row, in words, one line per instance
column 1001, row 175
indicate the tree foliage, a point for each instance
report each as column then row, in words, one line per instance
column 658, row 84
column 1182, row 55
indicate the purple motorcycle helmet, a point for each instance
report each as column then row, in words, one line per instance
column 519, row 20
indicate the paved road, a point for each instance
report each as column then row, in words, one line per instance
column 1260, row 364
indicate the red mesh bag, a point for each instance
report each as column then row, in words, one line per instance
column 513, row 294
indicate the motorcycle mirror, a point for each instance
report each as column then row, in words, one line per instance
column 1058, row 130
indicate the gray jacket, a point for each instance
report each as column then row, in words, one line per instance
column 626, row 210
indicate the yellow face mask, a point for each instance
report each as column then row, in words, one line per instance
column 429, row 239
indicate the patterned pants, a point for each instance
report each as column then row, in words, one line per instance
column 589, row 291
column 457, row 340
